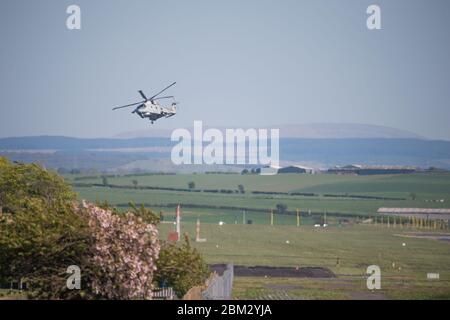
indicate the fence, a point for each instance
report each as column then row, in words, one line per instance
column 163, row 294
column 220, row 287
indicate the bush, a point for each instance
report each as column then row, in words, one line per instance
column 43, row 231
column 181, row 267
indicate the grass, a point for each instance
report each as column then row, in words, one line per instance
column 426, row 187
column 357, row 247
column 8, row 294
column 404, row 268
column 425, row 184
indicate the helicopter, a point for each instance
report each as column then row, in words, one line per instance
column 149, row 108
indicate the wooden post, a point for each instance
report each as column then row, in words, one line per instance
column 298, row 218
column 271, row 217
column 243, row 217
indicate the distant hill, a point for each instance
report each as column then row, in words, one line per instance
column 307, row 131
column 112, row 154
column 344, row 131
column 68, row 143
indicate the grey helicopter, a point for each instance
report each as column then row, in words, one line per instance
column 149, row 107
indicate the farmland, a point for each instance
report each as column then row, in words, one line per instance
column 347, row 195
column 404, row 268
column 346, row 249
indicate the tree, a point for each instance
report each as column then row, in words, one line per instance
column 281, row 208
column 43, row 231
column 413, row 195
column 22, row 184
column 75, row 171
column 63, row 170
column 108, row 248
column 181, row 267
column 241, row 188
column 40, row 233
column 123, row 254
column 105, row 180
column 135, row 183
column 245, row 171
column 191, row 185
column 147, row 215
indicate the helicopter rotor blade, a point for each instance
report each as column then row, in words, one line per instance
column 128, row 105
column 166, row 97
column 143, row 95
column 152, row 98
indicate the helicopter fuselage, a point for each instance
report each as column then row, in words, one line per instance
column 154, row 111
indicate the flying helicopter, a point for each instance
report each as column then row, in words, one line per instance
column 149, row 107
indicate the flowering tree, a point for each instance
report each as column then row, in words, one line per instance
column 123, row 255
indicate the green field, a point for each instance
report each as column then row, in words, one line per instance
column 425, row 184
column 425, row 187
column 356, row 245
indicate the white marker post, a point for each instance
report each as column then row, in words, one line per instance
column 178, row 222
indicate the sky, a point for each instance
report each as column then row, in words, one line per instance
column 236, row 63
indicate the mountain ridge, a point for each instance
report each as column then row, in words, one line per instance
column 307, row 131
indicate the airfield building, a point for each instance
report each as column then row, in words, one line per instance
column 289, row 169
column 371, row 170
column 423, row 213
column 295, row 169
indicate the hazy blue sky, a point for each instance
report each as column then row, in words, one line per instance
column 237, row 63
